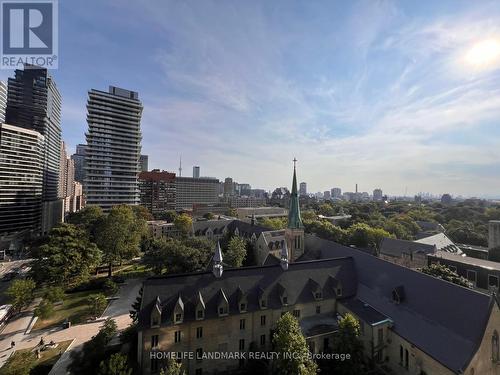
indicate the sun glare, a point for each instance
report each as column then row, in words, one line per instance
column 484, row 54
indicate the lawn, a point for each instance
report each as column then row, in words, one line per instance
column 74, row 308
column 134, row 270
column 43, row 365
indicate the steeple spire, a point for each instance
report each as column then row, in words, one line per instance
column 294, row 219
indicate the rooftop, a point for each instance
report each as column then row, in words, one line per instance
column 488, row 264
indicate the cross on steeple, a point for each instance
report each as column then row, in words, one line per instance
column 294, row 162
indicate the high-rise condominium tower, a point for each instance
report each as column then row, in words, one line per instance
column 113, row 147
column 3, row 101
column 21, row 179
column 34, row 102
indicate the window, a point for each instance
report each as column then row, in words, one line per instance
column 262, row 340
column 155, row 322
column 154, row 341
column 200, row 314
column 401, row 355
column 285, row 300
column 296, row 313
column 318, row 309
column 177, row 336
column 199, row 332
column 243, row 307
column 494, row 347
column 263, row 303
column 242, row 324
column 339, row 292
column 262, row 320
column 222, row 310
column 178, row 318
column 198, row 371
column 380, row 336
column 318, row 295
column 242, row 344
column 154, row 365
column 493, row 281
column 471, row 276
column 199, row 354
column 407, row 365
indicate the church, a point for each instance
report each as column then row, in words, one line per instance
column 411, row 323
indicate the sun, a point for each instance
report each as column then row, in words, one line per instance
column 484, row 54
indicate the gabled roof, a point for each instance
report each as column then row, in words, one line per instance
column 395, row 248
column 442, row 243
column 444, row 320
column 252, row 281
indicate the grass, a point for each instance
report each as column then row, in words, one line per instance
column 44, row 364
column 74, row 308
column 136, row 269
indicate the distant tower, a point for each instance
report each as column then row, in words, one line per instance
column 217, row 267
column 294, row 233
column 196, row 171
column 356, row 188
column 180, row 166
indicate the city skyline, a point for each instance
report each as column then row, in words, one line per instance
column 390, row 95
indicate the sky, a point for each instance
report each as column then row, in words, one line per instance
column 398, row 95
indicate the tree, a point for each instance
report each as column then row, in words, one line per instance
column 178, row 255
column 347, row 340
column 327, row 230
column 119, row 235
column 362, row 235
column 115, row 365
column 86, row 361
column 68, row 258
column 142, row 212
column 136, row 307
column 110, row 287
column 289, row 339
column 87, row 218
column 442, row 272
column 172, row 368
column 274, row 223
column 54, row 294
column 236, row 252
column 168, row 216
column 21, row 293
column 97, row 303
column 21, row 363
column 209, row 216
column 184, row 224
column 45, row 309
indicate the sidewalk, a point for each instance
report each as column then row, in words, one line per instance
column 118, row 310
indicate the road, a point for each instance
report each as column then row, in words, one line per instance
column 118, row 309
column 6, row 267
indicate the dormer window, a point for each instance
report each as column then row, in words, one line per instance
column 398, row 294
column 200, row 307
column 156, row 313
column 283, row 295
column 263, row 303
column 179, row 311
column 316, row 290
column 318, row 295
column 223, row 304
column 339, row 291
column 242, row 300
column 285, row 301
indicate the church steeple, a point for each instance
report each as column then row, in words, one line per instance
column 294, row 219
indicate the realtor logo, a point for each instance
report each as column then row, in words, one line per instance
column 29, row 33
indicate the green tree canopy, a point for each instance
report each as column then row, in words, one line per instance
column 68, row 258
column 362, row 235
column 275, row 223
column 115, row 365
column 87, row 218
column 21, row 293
column 119, row 235
column 288, row 338
column 347, row 340
column 236, row 252
column 87, row 360
column 184, row 224
column 442, row 272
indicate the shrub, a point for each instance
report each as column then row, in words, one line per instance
column 45, row 309
column 110, row 287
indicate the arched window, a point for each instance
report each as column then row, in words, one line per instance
column 494, row 347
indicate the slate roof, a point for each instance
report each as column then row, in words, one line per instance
column 246, row 229
column 270, row 280
column 442, row 242
column 444, row 320
column 364, row 311
column 483, row 263
column 395, row 248
column 217, row 226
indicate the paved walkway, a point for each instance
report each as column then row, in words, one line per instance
column 118, row 310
